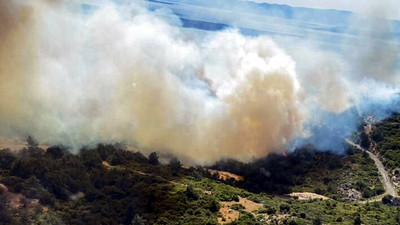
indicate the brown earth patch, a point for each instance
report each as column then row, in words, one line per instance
column 232, row 215
column 106, row 164
column 308, row 195
column 228, row 214
column 223, row 175
column 18, row 201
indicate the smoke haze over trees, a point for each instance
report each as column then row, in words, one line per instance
column 123, row 73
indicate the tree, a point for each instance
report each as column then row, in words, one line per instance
column 55, row 152
column 91, row 158
column 175, row 165
column 31, row 142
column 6, row 158
column 376, row 135
column 364, row 140
column 357, row 220
column 153, row 158
column 284, row 208
column 191, row 193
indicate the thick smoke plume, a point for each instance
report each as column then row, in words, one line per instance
column 129, row 76
column 124, row 74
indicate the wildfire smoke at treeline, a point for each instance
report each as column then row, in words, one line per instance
column 121, row 72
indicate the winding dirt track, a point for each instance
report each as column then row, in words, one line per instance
column 389, row 188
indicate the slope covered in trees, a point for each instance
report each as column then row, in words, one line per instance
column 110, row 185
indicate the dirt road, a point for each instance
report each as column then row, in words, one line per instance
column 389, row 187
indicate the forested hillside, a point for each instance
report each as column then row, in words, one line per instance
column 110, row 185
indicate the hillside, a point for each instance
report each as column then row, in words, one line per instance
column 307, row 170
column 193, row 112
column 385, row 141
column 108, row 185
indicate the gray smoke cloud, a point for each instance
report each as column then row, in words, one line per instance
column 114, row 76
column 124, row 74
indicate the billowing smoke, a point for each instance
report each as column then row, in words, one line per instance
column 124, row 74
column 131, row 77
column 359, row 78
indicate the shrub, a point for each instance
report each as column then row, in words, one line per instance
column 237, row 207
column 191, row 193
column 138, row 220
column 175, row 165
column 376, row 135
column 379, row 190
column 317, row 221
column 270, row 210
column 357, row 220
column 91, row 158
column 387, row 199
column 246, row 218
column 284, row 208
column 46, row 198
column 14, row 184
column 55, row 152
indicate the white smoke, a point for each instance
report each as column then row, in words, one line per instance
column 127, row 76
column 124, row 74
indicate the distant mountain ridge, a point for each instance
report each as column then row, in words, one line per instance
column 329, row 26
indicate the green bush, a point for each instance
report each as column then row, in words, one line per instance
column 387, row 199
column 237, row 207
column 191, row 194
column 284, row 208
column 270, row 210
column 317, row 221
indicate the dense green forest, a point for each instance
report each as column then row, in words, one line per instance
column 309, row 170
column 108, row 184
column 387, row 136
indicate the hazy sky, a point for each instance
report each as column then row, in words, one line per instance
column 381, row 8
column 389, row 9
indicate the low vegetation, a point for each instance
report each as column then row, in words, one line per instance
column 307, row 170
column 110, row 185
column 387, row 136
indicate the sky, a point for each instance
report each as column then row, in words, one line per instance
column 389, row 9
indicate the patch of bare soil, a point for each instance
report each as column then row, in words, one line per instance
column 228, row 215
column 223, row 175
column 106, row 164
column 249, row 205
column 232, row 215
column 18, row 201
column 308, row 195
